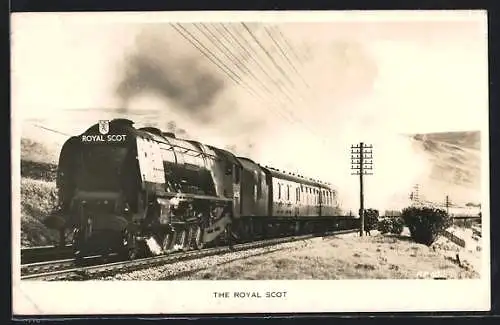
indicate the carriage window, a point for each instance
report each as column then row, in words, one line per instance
column 236, row 174
column 229, row 169
column 288, row 192
column 259, row 187
column 279, row 191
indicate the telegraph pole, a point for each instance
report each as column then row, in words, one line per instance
column 361, row 164
column 414, row 196
column 447, row 204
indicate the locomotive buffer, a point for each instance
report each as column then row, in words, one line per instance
column 361, row 164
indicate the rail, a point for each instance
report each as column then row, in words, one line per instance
column 44, row 253
column 70, row 272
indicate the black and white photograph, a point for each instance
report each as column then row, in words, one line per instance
column 221, row 162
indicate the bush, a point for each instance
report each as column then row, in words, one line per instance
column 384, row 226
column 371, row 219
column 391, row 225
column 425, row 224
column 396, row 225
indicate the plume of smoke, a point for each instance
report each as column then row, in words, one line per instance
column 343, row 107
column 181, row 91
column 182, row 77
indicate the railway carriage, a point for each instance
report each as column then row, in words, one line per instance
column 143, row 190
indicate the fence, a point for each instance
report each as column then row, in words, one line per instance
column 454, row 238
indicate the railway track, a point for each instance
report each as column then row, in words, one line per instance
column 57, row 265
column 45, row 253
column 68, row 270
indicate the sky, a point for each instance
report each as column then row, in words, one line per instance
column 346, row 78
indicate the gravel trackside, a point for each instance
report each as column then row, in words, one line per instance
column 185, row 268
column 342, row 257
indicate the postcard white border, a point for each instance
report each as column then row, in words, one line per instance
column 182, row 297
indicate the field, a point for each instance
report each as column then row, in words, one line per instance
column 353, row 257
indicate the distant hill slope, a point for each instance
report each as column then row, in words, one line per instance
column 38, row 161
column 35, row 150
column 456, row 156
column 457, row 140
column 456, row 165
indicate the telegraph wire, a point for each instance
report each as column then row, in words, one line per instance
column 238, row 79
column 237, row 63
column 292, row 101
column 279, row 83
column 51, row 130
column 248, row 71
column 223, row 67
column 250, row 56
column 287, row 43
column 275, row 41
column 276, row 65
column 205, row 52
column 228, row 53
column 256, row 79
column 282, row 72
column 245, row 49
column 211, row 40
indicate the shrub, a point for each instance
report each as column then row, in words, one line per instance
column 425, row 224
column 371, row 219
column 384, row 226
column 396, row 225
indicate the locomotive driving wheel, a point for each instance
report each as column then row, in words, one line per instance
column 198, row 238
column 76, row 244
column 183, row 239
column 130, row 247
column 168, row 241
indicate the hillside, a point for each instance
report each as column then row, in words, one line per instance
column 456, row 163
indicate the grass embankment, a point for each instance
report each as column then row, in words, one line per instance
column 38, row 199
column 38, row 192
column 376, row 257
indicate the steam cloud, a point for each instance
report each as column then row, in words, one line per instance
column 155, row 67
column 344, row 106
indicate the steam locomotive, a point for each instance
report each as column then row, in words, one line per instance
column 137, row 191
